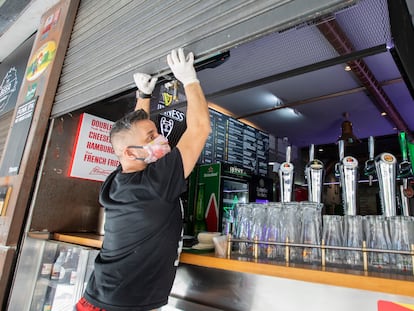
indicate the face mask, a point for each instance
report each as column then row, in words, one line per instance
column 156, row 149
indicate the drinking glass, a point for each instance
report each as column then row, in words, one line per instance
column 291, row 228
column 274, row 231
column 353, row 237
column 333, row 236
column 243, row 226
column 310, row 232
column 258, row 226
column 401, row 233
column 377, row 237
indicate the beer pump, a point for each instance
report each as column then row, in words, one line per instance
column 386, row 167
column 369, row 169
column 286, row 171
column 347, row 169
column 404, row 172
column 314, row 173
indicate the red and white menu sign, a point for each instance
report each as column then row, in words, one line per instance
column 93, row 156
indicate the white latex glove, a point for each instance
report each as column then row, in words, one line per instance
column 145, row 82
column 182, row 67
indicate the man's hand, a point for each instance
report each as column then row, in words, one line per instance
column 145, row 83
column 182, row 67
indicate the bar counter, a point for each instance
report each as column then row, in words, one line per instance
column 394, row 284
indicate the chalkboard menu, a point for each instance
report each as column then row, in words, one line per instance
column 235, row 138
column 220, row 129
column 234, row 142
column 262, row 140
column 250, row 148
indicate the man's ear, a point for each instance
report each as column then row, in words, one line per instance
column 129, row 154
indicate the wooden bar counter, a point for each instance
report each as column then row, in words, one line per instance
column 376, row 282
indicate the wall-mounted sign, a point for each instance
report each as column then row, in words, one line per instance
column 93, row 157
column 7, row 87
column 18, row 136
column 41, row 60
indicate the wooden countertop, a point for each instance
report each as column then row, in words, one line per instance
column 385, row 283
column 398, row 284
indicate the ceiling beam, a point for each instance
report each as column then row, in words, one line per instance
column 317, row 98
column 301, row 70
column 342, row 44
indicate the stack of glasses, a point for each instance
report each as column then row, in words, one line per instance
column 292, row 222
column 302, row 224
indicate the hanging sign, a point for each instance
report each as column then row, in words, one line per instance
column 93, row 156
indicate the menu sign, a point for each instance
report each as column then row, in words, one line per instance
column 263, row 143
column 234, row 142
column 215, row 147
column 207, row 156
column 249, row 148
column 235, row 138
column 93, row 156
column 220, row 130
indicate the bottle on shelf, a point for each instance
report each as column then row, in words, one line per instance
column 58, row 271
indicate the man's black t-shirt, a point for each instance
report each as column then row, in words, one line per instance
column 136, row 266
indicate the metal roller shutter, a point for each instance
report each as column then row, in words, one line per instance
column 113, row 39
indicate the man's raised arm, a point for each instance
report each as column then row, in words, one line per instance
column 145, row 84
column 194, row 138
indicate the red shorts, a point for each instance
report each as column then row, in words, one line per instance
column 83, row 305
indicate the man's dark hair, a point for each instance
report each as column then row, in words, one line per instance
column 126, row 121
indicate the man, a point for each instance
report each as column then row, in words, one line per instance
column 136, row 266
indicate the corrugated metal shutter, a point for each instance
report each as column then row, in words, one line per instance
column 113, row 39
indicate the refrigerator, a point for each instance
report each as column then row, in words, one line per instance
column 51, row 275
column 215, row 190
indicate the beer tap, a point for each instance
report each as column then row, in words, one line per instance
column 286, row 178
column 386, row 166
column 314, row 172
column 404, row 172
column 348, row 172
column 341, row 150
column 369, row 169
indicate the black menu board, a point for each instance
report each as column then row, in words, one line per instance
column 207, row 156
column 215, row 148
column 220, row 130
column 250, row 148
column 235, row 137
column 234, row 142
column 262, row 140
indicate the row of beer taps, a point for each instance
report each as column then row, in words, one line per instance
column 382, row 167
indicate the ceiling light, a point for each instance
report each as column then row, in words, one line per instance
column 383, row 114
column 278, row 101
column 347, row 68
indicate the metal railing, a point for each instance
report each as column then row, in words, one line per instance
column 288, row 245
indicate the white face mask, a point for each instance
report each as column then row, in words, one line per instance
column 156, row 149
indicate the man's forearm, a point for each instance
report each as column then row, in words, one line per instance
column 143, row 103
column 198, row 116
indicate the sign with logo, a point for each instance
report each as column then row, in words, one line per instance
column 208, row 198
column 19, row 132
column 8, row 87
column 93, row 156
column 170, row 122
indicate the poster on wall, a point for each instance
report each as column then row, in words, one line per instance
column 93, row 157
column 18, row 137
